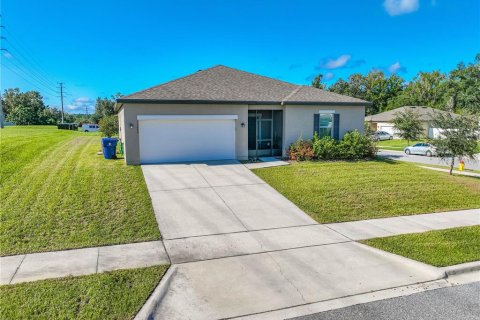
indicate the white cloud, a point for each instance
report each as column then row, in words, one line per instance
column 335, row 63
column 7, row 54
column 399, row 7
column 80, row 104
column 396, row 68
column 328, row 76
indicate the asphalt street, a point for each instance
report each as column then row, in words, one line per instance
column 459, row 302
column 473, row 164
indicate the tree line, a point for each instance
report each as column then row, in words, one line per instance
column 28, row 108
column 456, row 91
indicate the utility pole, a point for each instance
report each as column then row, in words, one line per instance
column 61, row 96
column 2, row 115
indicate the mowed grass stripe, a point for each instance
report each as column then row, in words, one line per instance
column 23, row 145
column 70, row 197
column 347, row 191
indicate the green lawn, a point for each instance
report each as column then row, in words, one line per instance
column 57, row 193
column 396, row 145
column 347, row 191
column 439, row 248
column 113, row 295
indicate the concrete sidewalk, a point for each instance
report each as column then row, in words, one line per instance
column 46, row 265
column 385, row 227
column 58, row 264
column 463, row 173
column 242, row 243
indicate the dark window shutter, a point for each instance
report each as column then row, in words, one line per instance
column 336, row 126
column 316, row 123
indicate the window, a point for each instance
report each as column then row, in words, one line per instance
column 325, row 125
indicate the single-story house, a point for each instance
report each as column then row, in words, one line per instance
column 384, row 121
column 225, row 113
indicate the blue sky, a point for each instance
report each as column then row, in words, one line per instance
column 98, row 48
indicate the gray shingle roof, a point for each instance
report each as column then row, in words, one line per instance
column 222, row 84
column 424, row 113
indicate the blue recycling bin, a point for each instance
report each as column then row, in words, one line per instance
column 109, row 148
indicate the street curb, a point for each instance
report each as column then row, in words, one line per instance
column 149, row 308
column 461, row 268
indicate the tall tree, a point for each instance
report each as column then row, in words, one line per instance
column 464, row 87
column 374, row 87
column 426, row 89
column 104, row 107
column 340, row 86
column 23, row 108
column 317, row 82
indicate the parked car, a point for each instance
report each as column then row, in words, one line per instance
column 90, row 127
column 422, row 148
column 381, row 135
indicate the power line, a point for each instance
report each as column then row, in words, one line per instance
column 21, row 50
column 17, row 54
column 30, row 74
column 26, row 80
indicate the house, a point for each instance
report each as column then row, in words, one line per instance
column 224, row 113
column 384, row 121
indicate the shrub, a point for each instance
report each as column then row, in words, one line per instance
column 353, row 146
column 109, row 126
column 325, row 148
column 301, row 150
column 356, row 146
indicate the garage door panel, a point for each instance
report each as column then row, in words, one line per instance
column 186, row 140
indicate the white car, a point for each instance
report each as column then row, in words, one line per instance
column 381, row 135
column 422, row 148
column 90, row 127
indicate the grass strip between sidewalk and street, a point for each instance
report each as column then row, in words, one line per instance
column 111, row 295
column 439, row 248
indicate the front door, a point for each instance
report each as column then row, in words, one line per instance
column 265, row 133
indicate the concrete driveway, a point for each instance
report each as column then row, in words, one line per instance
column 217, row 197
column 473, row 164
column 238, row 248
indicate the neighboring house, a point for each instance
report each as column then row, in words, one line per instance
column 384, row 121
column 224, row 113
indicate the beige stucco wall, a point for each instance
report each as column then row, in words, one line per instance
column 131, row 111
column 298, row 121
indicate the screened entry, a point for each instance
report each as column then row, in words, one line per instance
column 265, row 129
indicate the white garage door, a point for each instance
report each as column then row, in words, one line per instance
column 389, row 129
column 180, row 138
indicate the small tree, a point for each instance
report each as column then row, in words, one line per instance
column 109, row 126
column 458, row 137
column 408, row 125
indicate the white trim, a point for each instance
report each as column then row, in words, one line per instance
column 188, row 117
column 326, row 111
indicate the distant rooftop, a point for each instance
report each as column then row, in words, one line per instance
column 425, row 113
column 222, row 84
